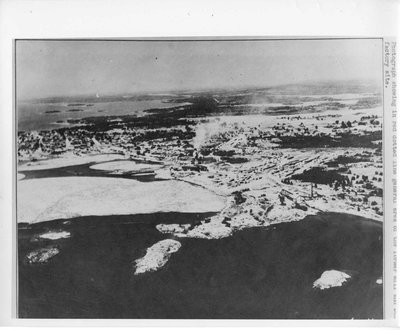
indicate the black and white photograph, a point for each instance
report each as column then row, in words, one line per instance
column 214, row 178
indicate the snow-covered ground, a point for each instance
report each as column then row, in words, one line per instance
column 68, row 197
column 262, row 174
column 266, row 168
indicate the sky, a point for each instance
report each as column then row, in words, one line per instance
column 68, row 68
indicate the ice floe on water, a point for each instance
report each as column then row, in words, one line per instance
column 156, row 256
column 69, row 197
column 330, row 279
column 125, row 166
column 55, row 235
column 42, row 255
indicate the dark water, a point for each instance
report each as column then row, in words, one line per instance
column 256, row 273
column 85, row 170
column 36, row 116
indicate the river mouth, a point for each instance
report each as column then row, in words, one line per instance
column 259, row 273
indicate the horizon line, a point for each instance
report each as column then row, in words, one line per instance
column 199, row 90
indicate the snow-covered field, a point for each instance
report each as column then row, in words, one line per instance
column 68, row 197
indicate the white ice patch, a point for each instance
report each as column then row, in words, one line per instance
column 156, row 256
column 68, row 197
column 54, row 235
column 124, row 166
column 243, row 220
column 331, row 278
column 20, row 176
column 379, row 281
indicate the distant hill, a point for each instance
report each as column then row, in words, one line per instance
column 309, row 88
